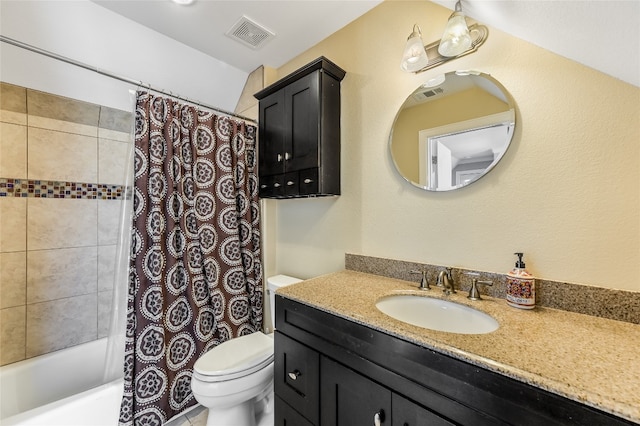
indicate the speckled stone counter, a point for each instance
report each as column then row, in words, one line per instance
column 591, row 360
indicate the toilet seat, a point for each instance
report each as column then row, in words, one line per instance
column 235, row 358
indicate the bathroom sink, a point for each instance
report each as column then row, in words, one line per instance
column 437, row 314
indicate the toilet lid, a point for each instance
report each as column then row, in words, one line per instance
column 235, row 358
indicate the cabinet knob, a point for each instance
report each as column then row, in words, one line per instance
column 293, row 375
column 263, row 186
column 279, row 158
column 307, row 180
column 287, row 156
column 277, row 185
column 378, row 418
column 289, row 183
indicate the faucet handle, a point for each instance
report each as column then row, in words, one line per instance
column 474, row 294
column 424, row 284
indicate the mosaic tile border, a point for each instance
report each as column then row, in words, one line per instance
column 619, row 305
column 21, row 188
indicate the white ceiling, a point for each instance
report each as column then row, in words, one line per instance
column 601, row 34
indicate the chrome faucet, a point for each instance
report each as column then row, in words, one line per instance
column 446, row 280
column 424, row 284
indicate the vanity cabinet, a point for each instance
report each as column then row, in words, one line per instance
column 332, row 371
column 299, row 133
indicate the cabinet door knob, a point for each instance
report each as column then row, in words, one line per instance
column 279, row 158
column 293, row 375
column 277, row 185
column 289, row 183
column 307, row 180
column 263, row 186
column 287, row 156
column 378, row 418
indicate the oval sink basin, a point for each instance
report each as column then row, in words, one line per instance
column 437, row 314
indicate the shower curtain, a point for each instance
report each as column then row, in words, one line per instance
column 195, row 277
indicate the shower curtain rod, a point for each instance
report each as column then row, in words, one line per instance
column 52, row 55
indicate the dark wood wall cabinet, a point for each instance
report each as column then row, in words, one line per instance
column 299, row 133
column 331, row 371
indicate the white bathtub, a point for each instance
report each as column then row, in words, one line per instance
column 36, row 382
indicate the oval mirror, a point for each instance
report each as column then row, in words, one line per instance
column 452, row 130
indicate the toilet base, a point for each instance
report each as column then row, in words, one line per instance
column 243, row 414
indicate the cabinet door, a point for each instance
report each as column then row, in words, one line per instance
column 272, row 134
column 349, row 399
column 408, row 413
column 297, row 376
column 286, row 416
column 302, row 100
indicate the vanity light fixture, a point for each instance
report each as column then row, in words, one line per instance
column 458, row 40
column 415, row 56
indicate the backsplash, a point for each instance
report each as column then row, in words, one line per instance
column 61, row 177
column 620, row 305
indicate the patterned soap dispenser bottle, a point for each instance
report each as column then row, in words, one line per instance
column 521, row 286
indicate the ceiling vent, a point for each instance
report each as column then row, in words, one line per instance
column 250, row 33
column 421, row 96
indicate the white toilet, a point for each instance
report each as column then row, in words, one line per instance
column 234, row 380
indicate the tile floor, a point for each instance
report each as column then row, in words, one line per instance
column 198, row 417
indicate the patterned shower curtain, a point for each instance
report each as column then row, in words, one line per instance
column 195, row 277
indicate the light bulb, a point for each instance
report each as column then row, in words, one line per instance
column 456, row 38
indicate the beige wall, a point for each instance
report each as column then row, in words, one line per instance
column 566, row 193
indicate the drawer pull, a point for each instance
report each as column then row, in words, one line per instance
column 293, row 375
column 289, row 183
column 378, row 418
column 277, row 185
column 308, row 180
column 263, row 186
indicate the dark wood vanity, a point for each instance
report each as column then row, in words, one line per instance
column 333, row 371
column 299, row 133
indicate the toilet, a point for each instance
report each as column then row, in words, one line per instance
column 234, row 380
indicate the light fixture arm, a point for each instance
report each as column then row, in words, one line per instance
column 479, row 34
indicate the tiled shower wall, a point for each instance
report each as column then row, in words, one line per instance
column 62, row 170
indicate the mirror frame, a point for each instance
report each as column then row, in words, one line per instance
column 508, row 117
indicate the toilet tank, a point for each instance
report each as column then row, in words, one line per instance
column 274, row 283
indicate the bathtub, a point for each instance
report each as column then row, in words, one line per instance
column 55, row 379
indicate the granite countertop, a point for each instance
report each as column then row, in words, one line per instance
column 591, row 360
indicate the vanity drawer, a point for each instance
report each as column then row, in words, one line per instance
column 296, row 376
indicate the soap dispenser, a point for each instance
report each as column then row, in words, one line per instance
column 521, row 286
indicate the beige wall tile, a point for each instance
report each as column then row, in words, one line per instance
column 112, row 160
column 62, row 156
column 13, row 98
column 61, row 323
column 104, row 312
column 13, row 151
column 12, row 334
column 13, row 224
column 13, row 279
column 61, row 223
column 108, row 221
column 13, row 117
column 59, row 273
column 46, row 123
column 106, row 267
column 115, row 119
column 60, row 108
column 115, row 135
